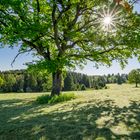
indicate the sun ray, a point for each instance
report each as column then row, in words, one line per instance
column 108, row 18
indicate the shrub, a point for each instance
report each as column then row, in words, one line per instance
column 83, row 87
column 96, row 87
column 43, row 99
column 78, row 87
column 106, row 87
column 47, row 99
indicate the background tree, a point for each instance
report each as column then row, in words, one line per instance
column 69, row 83
column 26, row 86
column 99, row 82
column 134, row 77
column 33, row 81
column 10, row 82
column 1, row 82
column 83, row 87
column 41, row 81
column 69, row 32
column 47, row 82
column 18, row 86
column 85, row 80
column 119, row 79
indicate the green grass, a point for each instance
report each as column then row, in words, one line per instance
column 107, row 114
column 47, row 99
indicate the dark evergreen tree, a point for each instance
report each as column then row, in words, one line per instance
column 119, row 79
column 83, row 87
column 68, row 83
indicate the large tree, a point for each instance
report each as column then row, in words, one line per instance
column 134, row 76
column 65, row 33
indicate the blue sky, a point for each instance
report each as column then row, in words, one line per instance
column 7, row 55
column 115, row 68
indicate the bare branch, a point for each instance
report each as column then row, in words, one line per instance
column 20, row 54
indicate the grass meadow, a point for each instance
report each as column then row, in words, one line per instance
column 108, row 114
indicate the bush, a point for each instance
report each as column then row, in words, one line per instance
column 106, row 87
column 78, row 87
column 47, row 99
column 96, row 87
column 83, row 87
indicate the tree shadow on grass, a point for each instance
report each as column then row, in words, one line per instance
column 93, row 120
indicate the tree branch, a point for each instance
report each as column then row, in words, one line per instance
column 134, row 1
column 3, row 23
column 55, row 26
column 75, row 42
column 87, row 23
column 75, row 18
column 108, row 50
column 40, row 50
column 38, row 6
column 20, row 54
column 62, row 12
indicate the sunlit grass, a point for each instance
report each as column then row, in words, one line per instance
column 112, row 113
column 48, row 99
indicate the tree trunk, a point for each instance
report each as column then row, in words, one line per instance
column 136, row 84
column 56, row 83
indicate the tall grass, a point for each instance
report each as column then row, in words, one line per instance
column 47, row 99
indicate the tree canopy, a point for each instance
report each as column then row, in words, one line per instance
column 134, row 76
column 65, row 33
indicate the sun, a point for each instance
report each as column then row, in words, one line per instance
column 107, row 20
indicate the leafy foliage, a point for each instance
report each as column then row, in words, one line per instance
column 83, row 87
column 134, row 76
column 49, row 26
column 47, row 99
column 1, row 81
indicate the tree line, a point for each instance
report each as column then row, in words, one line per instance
column 25, row 81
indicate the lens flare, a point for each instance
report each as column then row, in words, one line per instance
column 107, row 20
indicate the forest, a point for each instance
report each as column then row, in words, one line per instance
column 26, row 81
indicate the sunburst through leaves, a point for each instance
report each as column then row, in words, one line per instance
column 109, row 18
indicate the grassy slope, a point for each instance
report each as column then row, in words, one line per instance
column 108, row 114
